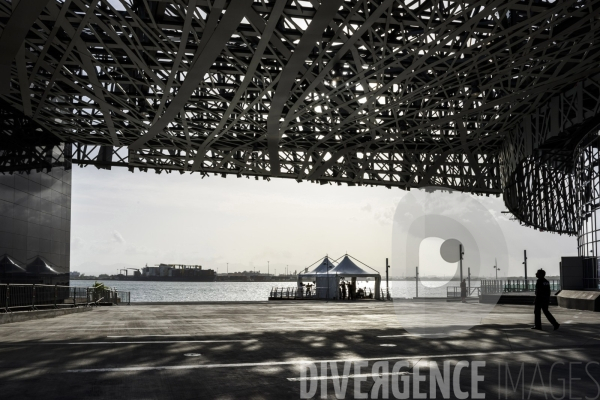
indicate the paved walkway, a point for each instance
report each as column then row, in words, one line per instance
column 230, row 351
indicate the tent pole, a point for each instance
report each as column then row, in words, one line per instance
column 327, row 300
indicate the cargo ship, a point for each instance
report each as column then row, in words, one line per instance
column 170, row 273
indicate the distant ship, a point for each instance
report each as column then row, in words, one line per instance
column 170, row 273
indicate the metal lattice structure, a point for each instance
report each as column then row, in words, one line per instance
column 548, row 158
column 396, row 93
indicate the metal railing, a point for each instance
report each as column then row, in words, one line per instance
column 15, row 297
column 293, row 293
column 454, row 291
column 514, row 285
column 303, row 293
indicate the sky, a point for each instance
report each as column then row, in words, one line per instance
column 123, row 219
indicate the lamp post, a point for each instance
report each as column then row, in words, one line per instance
column 460, row 249
column 497, row 269
column 525, row 264
column 469, row 277
column 417, row 281
column 387, row 282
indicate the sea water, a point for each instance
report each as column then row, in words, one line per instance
column 154, row 291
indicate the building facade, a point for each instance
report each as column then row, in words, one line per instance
column 35, row 227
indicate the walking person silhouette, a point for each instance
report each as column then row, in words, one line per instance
column 542, row 301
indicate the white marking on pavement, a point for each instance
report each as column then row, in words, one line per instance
column 165, row 341
column 526, row 328
column 126, row 342
column 413, row 334
column 136, row 336
column 311, row 361
column 321, row 378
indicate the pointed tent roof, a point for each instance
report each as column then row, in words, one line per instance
column 40, row 266
column 347, row 267
column 322, row 268
column 9, row 265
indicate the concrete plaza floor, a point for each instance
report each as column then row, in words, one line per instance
column 258, row 350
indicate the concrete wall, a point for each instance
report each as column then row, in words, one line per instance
column 579, row 299
column 35, row 217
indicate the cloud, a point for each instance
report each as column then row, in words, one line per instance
column 117, row 237
column 385, row 215
column 366, row 208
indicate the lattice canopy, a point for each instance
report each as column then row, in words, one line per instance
column 378, row 92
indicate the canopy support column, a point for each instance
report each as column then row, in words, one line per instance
column 378, row 288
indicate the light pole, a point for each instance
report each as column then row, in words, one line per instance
column 387, row 281
column 417, row 281
column 497, row 269
column 460, row 249
column 525, row 264
column 469, row 276
column 268, row 267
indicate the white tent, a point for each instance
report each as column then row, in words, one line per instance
column 327, row 277
column 326, row 265
column 348, row 269
column 326, row 283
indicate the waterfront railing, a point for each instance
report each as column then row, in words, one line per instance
column 16, row 297
column 454, row 291
column 514, row 285
column 292, row 293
